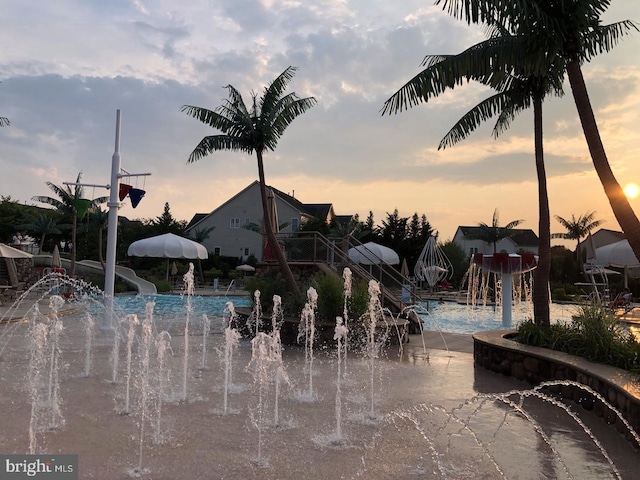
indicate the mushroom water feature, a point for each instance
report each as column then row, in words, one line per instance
column 435, row 416
column 504, row 267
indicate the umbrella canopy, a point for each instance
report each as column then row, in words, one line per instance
column 9, row 252
column 167, row 245
column 618, row 254
column 245, row 268
column 404, row 270
column 372, row 253
column 56, row 261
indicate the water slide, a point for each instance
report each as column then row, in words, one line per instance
column 124, row 273
column 90, row 266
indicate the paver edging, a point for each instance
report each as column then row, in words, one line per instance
column 494, row 350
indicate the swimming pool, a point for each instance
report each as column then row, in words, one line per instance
column 448, row 317
column 454, row 317
column 167, row 306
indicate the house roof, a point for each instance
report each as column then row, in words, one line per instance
column 521, row 236
column 612, row 233
column 195, row 219
column 317, row 210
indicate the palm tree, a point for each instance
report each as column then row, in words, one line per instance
column 489, row 62
column 4, row 122
column 70, row 202
column 98, row 220
column 572, row 31
column 492, row 234
column 255, row 129
column 577, row 229
column 41, row 225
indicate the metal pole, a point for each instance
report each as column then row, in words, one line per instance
column 112, row 232
column 507, row 296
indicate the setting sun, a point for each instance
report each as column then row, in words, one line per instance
column 631, row 190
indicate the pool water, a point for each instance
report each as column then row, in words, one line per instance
column 448, row 317
column 454, row 317
column 176, row 305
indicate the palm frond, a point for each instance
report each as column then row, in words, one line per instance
column 4, row 122
column 216, row 143
column 273, row 92
column 214, row 119
column 288, row 110
column 471, row 120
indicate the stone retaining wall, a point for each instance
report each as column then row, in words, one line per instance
column 495, row 351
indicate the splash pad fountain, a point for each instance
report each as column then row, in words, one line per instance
column 436, row 417
column 502, row 268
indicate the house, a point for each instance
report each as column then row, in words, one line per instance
column 230, row 235
column 522, row 240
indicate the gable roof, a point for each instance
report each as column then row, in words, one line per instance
column 195, row 219
column 317, row 210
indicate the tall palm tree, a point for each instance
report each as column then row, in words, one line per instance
column 573, row 31
column 41, row 225
column 4, row 122
column 70, row 202
column 491, row 63
column 254, row 129
column 577, row 229
column 492, row 234
column 98, row 220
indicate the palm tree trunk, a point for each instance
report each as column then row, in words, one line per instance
column 541, row 275
column 100, row 254
column 74, row 228
column 292, row 286
column 619, row 203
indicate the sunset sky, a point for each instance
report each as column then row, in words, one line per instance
column 66, row 66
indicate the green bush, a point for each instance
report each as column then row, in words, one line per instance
column 594, row 333
column 359, row 301
column 330, row 296
column 559, row 294
column 269, row 286
column 162, row 286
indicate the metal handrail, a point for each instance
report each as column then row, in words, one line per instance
column 313, row 247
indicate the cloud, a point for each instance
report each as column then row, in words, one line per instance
column 77, row 62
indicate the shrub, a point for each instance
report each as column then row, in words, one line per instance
column 162, row 286
column 594, row 333
column 330, row 296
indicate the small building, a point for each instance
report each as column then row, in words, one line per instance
column 522, row 240
column 236, row 223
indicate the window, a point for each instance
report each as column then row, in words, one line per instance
column 216, row 250
column 295, row 224
column 247, row 221
column 234, row 223
column 473, row 250
column 246, row 252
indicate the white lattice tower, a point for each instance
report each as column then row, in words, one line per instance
column 432, row 265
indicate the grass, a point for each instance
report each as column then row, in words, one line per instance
column 594, row 334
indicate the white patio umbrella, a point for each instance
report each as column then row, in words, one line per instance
column 372, row 253
column 56, row 261
column 167, row 246
column 245, row 268
column 618, row 254
column 9, row 252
